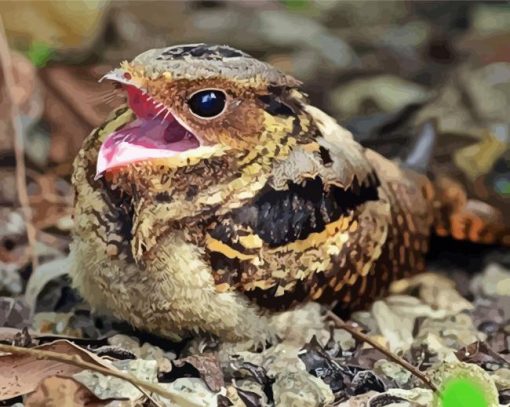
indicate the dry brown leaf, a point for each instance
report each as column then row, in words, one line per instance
column 62, row 391
column 209, row 368
column 21, row 374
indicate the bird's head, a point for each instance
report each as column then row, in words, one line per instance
column 194, row 102
column 206, row 128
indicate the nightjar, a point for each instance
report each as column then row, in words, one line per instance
column 218, row 196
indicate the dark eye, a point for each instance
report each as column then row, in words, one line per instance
column 207, row 103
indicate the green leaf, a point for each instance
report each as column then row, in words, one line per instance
column 462, row 392
column 39, row 53
column 296, row 4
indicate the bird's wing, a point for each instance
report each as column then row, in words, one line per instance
column 317, row 227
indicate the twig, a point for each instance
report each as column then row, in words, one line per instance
column 76, row 360
column 340, row 324
column 19, row 151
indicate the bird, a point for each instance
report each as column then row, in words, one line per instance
column 217, row 197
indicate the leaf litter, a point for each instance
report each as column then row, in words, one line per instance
column 452, row 321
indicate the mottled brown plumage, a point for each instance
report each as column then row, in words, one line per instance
column 268, row 205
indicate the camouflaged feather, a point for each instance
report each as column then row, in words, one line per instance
column 285, row 207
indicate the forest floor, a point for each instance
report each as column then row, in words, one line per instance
column 381, row 73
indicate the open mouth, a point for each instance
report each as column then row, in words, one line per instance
column 155, row 133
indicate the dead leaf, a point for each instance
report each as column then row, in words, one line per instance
column 41, row 276
column 435, row 290
column 417, row 397
column 110, row 387
column 21, row 374
column 209, row 368
column 396, row 317
column 61, row 391
column 482, row 355
column 493, row 282
column 14, row 313
column 145, row 351
column 393, row 370
column 358, row 401
column 365, row 358
column 501, row 378
column 387, row 92
column 300, row 389
column 252, row 392
column 453, row 331
column 322, row 365
column 300, row 324
column 366, row 380
column 192, row 392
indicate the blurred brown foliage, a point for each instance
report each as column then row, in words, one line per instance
column 380, row 68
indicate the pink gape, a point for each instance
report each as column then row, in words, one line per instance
column 154, row 134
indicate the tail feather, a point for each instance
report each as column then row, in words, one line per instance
column 462, row 218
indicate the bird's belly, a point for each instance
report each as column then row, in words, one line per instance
column 173, row 295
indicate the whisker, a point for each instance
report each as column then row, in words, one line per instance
column 104, row 92
column 166, row 115
column 107, row 97
column 98, row 96
column 160, row 111
column 111, row 98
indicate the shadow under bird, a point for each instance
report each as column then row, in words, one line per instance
column 218, row 196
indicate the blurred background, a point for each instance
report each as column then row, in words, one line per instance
column 381, row 68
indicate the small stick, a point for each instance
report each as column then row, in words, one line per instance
column 340, row 324
column 76, row 360
column 19, row 151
